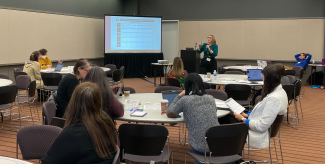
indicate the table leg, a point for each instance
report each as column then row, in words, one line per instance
column 160, row 75
column 154, row 75
column 314, row 76
column 165, row 75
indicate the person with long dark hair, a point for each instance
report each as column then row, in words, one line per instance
column 199, row 111
column 274, row 102
column 88, row 136
column 69, row 83
column 110, row 104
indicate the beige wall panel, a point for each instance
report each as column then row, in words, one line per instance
column 70, row 37
column 311, row 37
column 94, row 37
column 4, row 33
column 211, row 28
column 22, row 35
column 233, row 40
column 45, row 25
column 258, row 39
column 189, row 32
column 284, row 37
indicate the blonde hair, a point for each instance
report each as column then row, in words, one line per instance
column 178, row 67
column 213, row 39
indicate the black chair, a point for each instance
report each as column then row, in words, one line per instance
column 173, row 82
column 217, row 94
column 49, row 109
column 144, row 143
column 235, row 72
column 222, row 70
column 112, row 68
column 206, row 85
column 166, row 88
column 239, row 92
column 8, row 96
column 274, row 131
column 19, row 73
column 4, row 76
column 290, row 89
column 290, row 72
column 116, row 77
column 225, row 143
column 51, row 81
column 59, row 122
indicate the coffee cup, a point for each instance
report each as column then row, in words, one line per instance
column 126, row 92
column 164, row 106
column 208, row 75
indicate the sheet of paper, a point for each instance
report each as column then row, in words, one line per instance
column 152, row 107
column 234, row 106
column 221, row 105
column 131, row 102
column 206, row 79
column 243, row 81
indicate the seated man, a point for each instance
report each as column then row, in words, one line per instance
column 302, row 60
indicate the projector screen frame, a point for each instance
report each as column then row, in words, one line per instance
column 121, row 15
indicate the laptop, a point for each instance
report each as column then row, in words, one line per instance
column 58, row 67
column 59, row 122
column 170, row 95
column 254, row 75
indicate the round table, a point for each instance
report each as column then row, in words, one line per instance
column 65, row 70
column 224, row 79
column 5, row 82
column 154, row 116
column 8, row 160
column 243, row 68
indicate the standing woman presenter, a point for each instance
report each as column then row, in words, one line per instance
column 210, row 49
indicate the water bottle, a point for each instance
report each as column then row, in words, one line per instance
column 215, row 75
column 313, row 62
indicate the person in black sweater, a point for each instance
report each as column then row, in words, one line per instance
column 89, row 135
column 69, row 83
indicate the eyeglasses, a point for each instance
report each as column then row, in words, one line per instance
column 85, row 70
column 209, row 37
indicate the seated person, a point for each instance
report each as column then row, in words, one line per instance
column 112, row 107
column 284, row 79
column 88, row 135
column 302, row 60
column 274, row 102
column 68, row 84
column 178, row 72
column 199, row 111
column 33, row 69
column 44, row 60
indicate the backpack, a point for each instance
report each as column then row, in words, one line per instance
column 318, row 78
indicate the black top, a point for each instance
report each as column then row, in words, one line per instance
column 74, row 146
column 65, row 90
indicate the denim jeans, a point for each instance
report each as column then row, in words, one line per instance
column 200, row 153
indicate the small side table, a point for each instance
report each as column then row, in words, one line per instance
column 165, row 70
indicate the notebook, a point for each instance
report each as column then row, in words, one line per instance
column 234, row 106
column 170, row 95
column 254, row 75
column 58, row 67
column 138, row 114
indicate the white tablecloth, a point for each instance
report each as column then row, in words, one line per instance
column 5, row 82
column 8, row 160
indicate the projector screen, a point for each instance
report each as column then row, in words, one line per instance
column 129, row 34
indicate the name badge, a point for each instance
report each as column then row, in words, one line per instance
column 208, row 59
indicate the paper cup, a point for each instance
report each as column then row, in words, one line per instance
column 164, row 106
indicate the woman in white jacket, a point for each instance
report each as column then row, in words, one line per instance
column 274, row 102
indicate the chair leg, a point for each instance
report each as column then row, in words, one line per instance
column 280, row 146
column 17, row 150
column 185, row 158
column 276, row 153
column 302, row 115
column 31, row 114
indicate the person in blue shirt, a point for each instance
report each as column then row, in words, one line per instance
column 210, row 49
column 302, row 60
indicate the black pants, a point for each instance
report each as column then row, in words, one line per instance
column 208, row 66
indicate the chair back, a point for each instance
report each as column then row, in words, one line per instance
column 22, row 81
column 19, row 73
column 297, row 70
column 297, row 88
column 112, row 68
column 8, row 94
column 226, row 140
column 166, row 88
column 35, row 140
column 221, row 69
column 290, row 72
column 17, row 70
column 240, row 64
column 235, row 72
column 238, row 91
column 49, row 109
column 4, row 76
column 59, row 122
column 268, row 62
column 289, row 90
column 51, row 79
column 217, row 94
column 140, row 139
column 132, row 90
column 117, row 75
column 275, row 127
column 206, row 85
column 32, row 88
column 291, row 78
column 173, row 82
